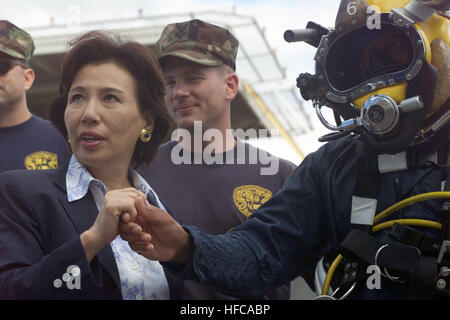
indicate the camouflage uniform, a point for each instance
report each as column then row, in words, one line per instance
column 199, row 42
column 15, row 42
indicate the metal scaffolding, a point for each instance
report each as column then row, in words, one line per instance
column 264, row 100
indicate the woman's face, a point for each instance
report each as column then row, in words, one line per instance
column 102, row 116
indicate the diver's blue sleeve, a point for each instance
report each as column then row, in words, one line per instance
column 280, row 241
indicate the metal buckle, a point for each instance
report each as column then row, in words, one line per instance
column 445, row 244
column 386, row 273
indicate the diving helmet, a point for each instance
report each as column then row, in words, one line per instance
column 384, row 69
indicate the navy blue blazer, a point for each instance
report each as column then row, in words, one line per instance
column 40, row 238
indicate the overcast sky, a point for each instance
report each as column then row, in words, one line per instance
column 275, row 16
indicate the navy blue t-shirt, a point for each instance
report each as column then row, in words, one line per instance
column 34, row 144
column 216, row 197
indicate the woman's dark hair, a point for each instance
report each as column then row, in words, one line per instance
column 140, row 62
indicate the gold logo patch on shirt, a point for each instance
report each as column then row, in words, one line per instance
column 250, row 197
column 41, row 160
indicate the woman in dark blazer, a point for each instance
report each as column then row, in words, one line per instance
column 59, row 228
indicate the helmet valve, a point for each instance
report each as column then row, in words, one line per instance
column 380, row 113
column 379, row 116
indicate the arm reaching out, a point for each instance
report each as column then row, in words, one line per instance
column 156, row 235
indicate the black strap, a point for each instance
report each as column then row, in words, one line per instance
column 422, row 281
column 366, row 171
column 443, row 154
column 412, row 237
column 363, row 247
column 367, row 176
column 420, row 156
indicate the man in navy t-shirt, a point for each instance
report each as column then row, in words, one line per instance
column 229, row 175
column 26, row 141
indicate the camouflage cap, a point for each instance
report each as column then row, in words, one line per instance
column 15, row 42
column 199, row 42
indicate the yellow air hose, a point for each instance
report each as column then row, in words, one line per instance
column 399, row 205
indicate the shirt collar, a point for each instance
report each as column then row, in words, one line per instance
column 78, row 181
